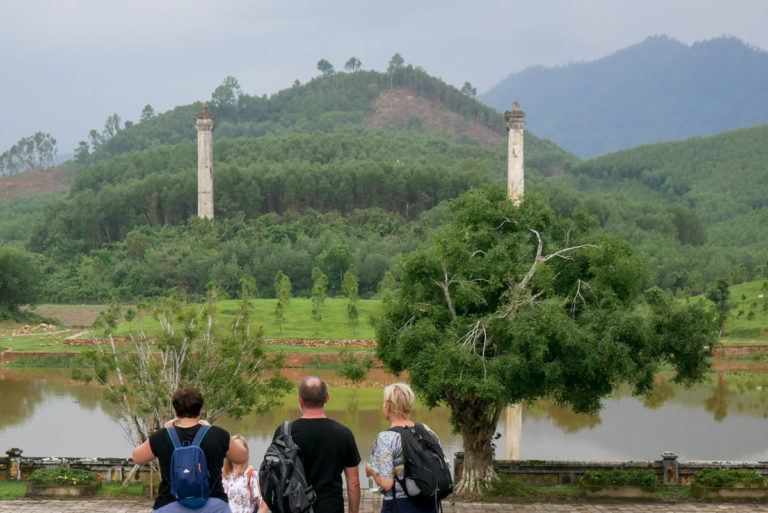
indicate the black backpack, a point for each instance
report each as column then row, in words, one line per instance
column 281, row 476
column 427, row 479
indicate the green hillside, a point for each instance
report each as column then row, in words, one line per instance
column 721, row 178
column 748, row 316
column 325, row 104
column 345, row 196
column 697, row 208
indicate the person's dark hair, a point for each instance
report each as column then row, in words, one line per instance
column 187, row 402
column 313, row 391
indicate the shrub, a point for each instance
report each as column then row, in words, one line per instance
column 644, row 478
column 61, row 476
column 716, row 478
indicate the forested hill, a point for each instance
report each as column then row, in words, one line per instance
column 722, row 178
column 408, row 97
column 658, row 90
column 405, row 172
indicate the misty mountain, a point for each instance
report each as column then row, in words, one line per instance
column 657, row 90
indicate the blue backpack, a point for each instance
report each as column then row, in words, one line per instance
column 189, row 470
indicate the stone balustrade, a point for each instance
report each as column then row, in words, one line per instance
column 669, row 469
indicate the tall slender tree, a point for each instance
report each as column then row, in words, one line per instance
column 283, row 294
column 319, row 293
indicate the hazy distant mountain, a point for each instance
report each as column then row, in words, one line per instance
column 658, row 90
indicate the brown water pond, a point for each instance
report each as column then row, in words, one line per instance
column 46, row 414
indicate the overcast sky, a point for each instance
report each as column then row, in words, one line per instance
column 68, row 64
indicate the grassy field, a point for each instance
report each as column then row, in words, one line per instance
column 298, row 324
column 12, row 489
column 748, row 318
column 298, row 321
column 747, row 323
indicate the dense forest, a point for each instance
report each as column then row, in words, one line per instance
column 657, row 90
column 302, row 182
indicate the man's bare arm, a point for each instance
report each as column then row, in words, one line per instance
column 353, row 488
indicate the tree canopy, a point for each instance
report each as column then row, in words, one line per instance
column 508, row 304
column 36, row 151
column 19, row 280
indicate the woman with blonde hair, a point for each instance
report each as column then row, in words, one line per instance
column 241, row 482
column 387, row 466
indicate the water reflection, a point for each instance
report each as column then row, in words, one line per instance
column 723, row 418
column 719, row 401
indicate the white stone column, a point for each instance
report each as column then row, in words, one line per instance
column 515, row 189
column 513, row 429
column 515, row 165
column 204, row 124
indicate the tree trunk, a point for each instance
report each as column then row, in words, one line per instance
column 476, row 419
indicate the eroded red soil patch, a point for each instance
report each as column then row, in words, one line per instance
column 401, row 107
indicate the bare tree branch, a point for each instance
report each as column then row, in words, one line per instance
column 444, row 287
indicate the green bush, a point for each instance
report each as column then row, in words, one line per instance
column 716, row 478
column 644, row 478
column 61, row 476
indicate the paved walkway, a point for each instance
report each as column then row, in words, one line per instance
column 111, row 506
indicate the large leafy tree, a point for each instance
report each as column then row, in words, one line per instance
column 509, row 303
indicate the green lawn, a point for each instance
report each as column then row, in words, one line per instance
column 12, row 489
column 298, row 322
column 748, row 318
column 37, row 342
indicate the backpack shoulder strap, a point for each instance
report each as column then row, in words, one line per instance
column 286, row 428
column 248, row 474
column 174, row 437
column 400, row 430
column 200, row 434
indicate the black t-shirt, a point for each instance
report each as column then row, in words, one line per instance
column 215, row 445
column 327, row 448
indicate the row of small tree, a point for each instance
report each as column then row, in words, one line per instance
column 349, row 288
column 111, row 128
column 396, row 63
column 37, row 151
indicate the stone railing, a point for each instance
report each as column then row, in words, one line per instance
column 16, row 466
column 535, row 472
column 551, row 473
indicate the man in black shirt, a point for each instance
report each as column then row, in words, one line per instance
column 216, row 444
column 327, row 449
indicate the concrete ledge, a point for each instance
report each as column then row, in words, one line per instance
column 62, row 491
